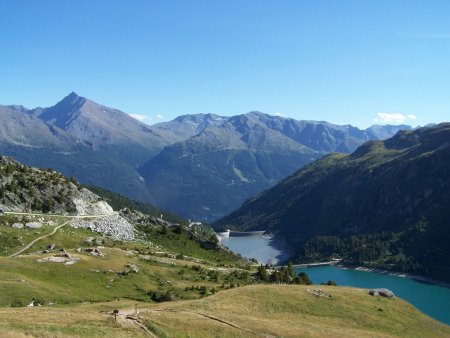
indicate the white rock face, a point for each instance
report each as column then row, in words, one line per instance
column 17, row 226
column 97, row 208
column 113, row 226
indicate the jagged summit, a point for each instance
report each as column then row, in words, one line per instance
column 73, row 98
column 64, row 111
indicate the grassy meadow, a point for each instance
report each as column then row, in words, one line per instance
column 181, row 290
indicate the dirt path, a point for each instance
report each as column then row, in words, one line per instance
column 39, row 238
column 127, row 317
column 138, row 323
column 54, row 230
column 55, row 215
column 222, row 321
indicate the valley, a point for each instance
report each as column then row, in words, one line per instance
column 222, row 169
column 63, row 274
column 379, row 207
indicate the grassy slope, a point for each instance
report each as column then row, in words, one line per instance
column 289, row 311
column 96, row 279
column 81, row 292
column 251, row 311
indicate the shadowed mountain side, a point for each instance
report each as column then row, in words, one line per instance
column 397, row 190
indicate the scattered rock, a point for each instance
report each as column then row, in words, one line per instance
column 17, row 226
column 94, row 251
column 133, row 268
column 319, row 293
column 113, row 226
column 52, row 259
column 33, row 225
column 70, row 262
column 67, row 260
column 382, row 292
column 50, row 246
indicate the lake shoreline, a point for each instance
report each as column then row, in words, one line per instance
column 285, row 252
column 417, row 278
column 280, row 251
column 338, row 264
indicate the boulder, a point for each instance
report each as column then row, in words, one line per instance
column 33, row 225
column 382, row 292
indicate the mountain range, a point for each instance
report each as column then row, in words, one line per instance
column 386, row 205
column 201, row 166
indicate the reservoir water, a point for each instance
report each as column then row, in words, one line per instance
column 431, row 299
column 263, row 248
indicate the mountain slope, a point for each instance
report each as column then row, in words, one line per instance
column 392, row 195
column 201, row 166
column 21, row 129
column 212, row 173
column 106, row 128
column 27, row 189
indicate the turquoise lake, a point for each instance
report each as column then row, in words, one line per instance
column 431, row 299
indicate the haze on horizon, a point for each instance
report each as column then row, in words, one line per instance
column 346, row 62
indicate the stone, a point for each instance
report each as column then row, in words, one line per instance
column 17, row 226
column 382, row 292
column 133, row 268
column 33, row 225
column 113, row 225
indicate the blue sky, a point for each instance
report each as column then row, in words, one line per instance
column 348, row 62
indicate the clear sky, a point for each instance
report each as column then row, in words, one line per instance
column 343, row 61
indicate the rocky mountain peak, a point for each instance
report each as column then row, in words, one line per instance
column 71, row 102
column 64, row 111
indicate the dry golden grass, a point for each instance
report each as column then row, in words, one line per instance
column 289, row 311
column 60, row 322
column 251, row 311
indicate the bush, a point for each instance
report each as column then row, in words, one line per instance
column 302, row 279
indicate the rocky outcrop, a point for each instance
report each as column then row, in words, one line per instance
column 113, row 226
column 28, row 189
